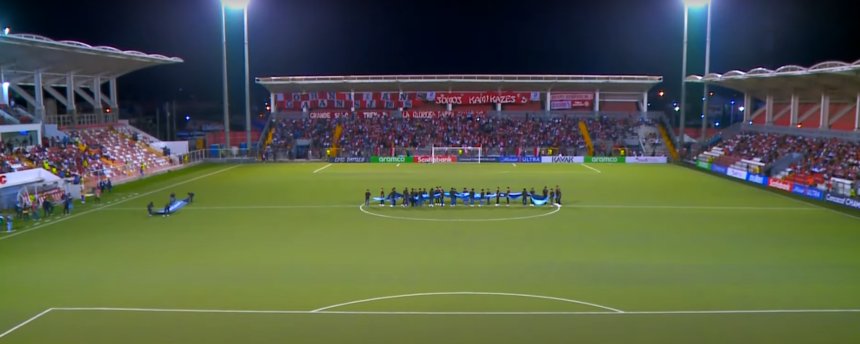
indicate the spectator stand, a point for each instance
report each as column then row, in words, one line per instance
column 376, row 113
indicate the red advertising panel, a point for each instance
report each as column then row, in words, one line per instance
column 569, row 104
column 437, row 114
column 437, row 159
column 573, row 96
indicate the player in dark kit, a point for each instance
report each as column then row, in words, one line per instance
column 382, row 197
column 367, row 197
column 405, row 198
column 149, row 208
column 525, row 197
column 557, row 195
column 545, row 191
column 481, row 202
column 393, row 196
column 441, row 196
column 508, row 197
column 551, row 196
column 453, row 195
column 498, row 196
column 472, row 197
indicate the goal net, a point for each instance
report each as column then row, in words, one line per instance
column 455, row 154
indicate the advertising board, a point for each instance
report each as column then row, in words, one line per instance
column 567, row 159
column 391, row 159
column 605, row 159
column 736, row 173
column 806, row 191
column 532, row 159
column 719, row 169
column 757, row 179
column 780, row 184
column 646, row 160
column 437, row 159
column 340, row 160
column 475, row 159
column 842, row 200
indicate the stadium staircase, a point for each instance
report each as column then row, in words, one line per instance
column 587, row 137
column 337, row 132
column 668, row 142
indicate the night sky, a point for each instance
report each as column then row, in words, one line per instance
column 334, row 37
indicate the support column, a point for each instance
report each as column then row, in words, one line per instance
column 352, row 99
column 97, row 100
column 597, row 101
column 825, row 111
column 4, row 92
column 747, row 108
column 71, row 107
column 449, row 107
column 114, row 102
column 548, row 104
column 38, row 96
column 857, row 114
column 644, row 103
column 768, row 110
column 272, row 103
column 795, row 108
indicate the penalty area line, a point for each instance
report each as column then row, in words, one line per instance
column 322, row 168
column 37, row 316
column 591, row 168
column 606, row 313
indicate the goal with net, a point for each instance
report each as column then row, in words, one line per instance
column 455, row 154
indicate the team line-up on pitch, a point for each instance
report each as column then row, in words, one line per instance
column 436, row 197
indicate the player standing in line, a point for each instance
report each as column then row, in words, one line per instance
column 481, row 201
column 166, row 210
column 405, row 198
column 557, row 195
column 191, row 196
column 393, row 196
column 381, row 197
column 498, row 196
column 508, row 197
column 472, row 197
column 545, row 192
column 366, row 197
column 525, row 197
column 531, row 195
column 551, row 197
column 432, row 195
column 453, row 195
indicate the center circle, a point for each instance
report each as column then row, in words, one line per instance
column 394, row 217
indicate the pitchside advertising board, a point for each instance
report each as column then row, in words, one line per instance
column 524, row 159
column 646, row 160
column 842, row 200
column 348, row 160
column 605, row 159
column 391, row 159
column 797, row 189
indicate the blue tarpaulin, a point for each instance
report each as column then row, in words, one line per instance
column 174, row 207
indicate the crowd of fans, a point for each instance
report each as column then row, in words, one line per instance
column 828, row 157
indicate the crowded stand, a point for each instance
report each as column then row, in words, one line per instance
column 365, row 136
column 819, row 159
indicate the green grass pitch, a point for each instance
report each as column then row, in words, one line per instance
column 282, row 253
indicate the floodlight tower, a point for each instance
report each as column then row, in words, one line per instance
column 688, row 4
column 243, row 6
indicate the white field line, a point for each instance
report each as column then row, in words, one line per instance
column 398, row 165
column 809, row 204
column 591, row 168
column 118, row 202
column 584, row 206
column 515, row 165
column 322, row 168
column 25, row 322
column 468, row 293
column 240, row 311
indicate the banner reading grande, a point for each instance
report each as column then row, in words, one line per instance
column 606, row 159
column 391, row 159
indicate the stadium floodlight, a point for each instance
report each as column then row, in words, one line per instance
column 236, row 4
column 6, row 31
column 741, row 109
column 696, row 3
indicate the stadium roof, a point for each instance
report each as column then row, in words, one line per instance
column 21, row 55
column 840, row 80
column 460, row 83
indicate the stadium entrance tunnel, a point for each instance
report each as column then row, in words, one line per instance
column 468, row 302
column 460, row 213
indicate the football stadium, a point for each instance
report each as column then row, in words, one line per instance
column 744, row 233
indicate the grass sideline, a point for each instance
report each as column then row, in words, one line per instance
column 278, row 252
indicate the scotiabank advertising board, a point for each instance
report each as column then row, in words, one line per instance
column 780, row 184
column 436, row 160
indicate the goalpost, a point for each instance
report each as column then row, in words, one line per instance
column 455, row 154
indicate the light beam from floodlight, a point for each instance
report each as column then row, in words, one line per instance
column 235, row 4
column 696, row 3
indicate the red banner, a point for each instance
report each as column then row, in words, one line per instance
column 358, row 114
column 483, row 98
column 572, row 96
column 437, row 114
column 779, row 184
column 569, row 104
column 436, row 159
